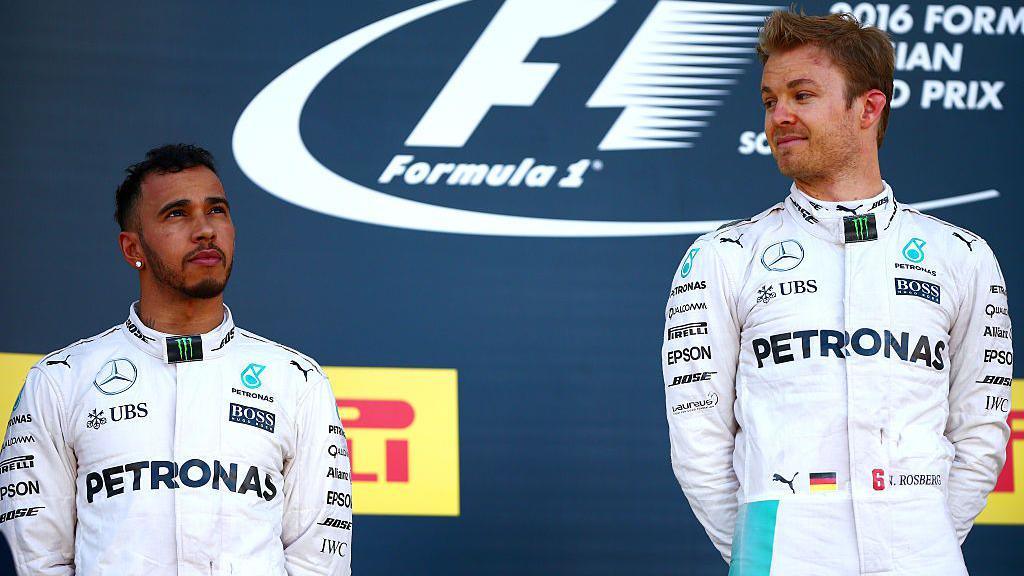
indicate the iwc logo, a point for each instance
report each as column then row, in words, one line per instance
column 115, row 376
column 782, row 256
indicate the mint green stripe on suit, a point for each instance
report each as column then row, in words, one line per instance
column 754, row 539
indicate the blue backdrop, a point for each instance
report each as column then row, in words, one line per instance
column 554, row 326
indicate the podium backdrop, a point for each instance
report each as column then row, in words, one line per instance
column 471, row 211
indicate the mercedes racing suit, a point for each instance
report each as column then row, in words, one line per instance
column 137, row 452
column 837, row 382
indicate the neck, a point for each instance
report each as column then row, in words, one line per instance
column 170, row 312
column 856, row 181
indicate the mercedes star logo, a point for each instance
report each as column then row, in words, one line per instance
column 115, row 376
column 783, row 256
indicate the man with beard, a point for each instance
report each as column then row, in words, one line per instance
column 176, row 443
column 837, row 368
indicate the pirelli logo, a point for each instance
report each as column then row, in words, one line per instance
column 1006, row 503
column 403, row 438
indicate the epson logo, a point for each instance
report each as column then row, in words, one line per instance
column 666, row 105
column 339, row 499
column 194, row 473
column 251, row 416
column 781, row 348
column 919, row 288
column 689, row 329
column 999, row 356
column 19, row 489
column 689, row 354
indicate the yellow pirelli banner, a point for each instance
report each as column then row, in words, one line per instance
column 402, row 426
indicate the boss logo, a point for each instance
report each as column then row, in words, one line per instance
column 251, row 416
column 919, row 288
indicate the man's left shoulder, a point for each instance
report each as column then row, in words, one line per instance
column 954, row 242
column 283, row 358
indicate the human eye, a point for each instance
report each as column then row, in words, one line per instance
column 768, row 104
column 803, row 95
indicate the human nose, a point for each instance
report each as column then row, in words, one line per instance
column 203, row 229
column 781, row 114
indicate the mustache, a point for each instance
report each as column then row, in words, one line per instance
column 210, row 246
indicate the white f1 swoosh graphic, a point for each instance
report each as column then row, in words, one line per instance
column 269, row 149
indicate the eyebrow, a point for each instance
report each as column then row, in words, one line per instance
column 185, row 202
column 792, row 84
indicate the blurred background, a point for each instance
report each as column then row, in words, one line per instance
column 471, row 211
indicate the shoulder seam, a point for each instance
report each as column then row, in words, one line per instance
column 941, row 221
column 729, row 226
column 82, row 341
column 312, row 362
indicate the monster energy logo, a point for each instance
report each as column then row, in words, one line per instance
column 860, row 228
column 184, row 349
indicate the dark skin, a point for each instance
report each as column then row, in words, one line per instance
column 182, row 243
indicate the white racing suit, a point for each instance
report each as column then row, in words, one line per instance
column 837, row 382
column 141, row 453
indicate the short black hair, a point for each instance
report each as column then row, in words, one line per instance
column 160, row 160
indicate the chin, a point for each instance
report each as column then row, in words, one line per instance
column 205, row 289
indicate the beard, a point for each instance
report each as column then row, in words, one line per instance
column 174, row 278
column 825, row 154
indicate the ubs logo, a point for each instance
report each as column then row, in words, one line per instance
column 782, row 256
column 115, row 376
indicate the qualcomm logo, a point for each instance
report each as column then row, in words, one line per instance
column 668, row 81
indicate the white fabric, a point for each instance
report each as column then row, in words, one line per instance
column 773, row 400
column 272, row 502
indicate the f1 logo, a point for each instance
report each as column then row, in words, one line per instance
column 494, row 74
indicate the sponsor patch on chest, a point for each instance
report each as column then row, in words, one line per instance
column 920, row 288
column 255, row 417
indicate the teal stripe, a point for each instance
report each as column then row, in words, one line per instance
column 754, row 539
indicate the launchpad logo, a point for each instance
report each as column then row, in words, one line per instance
column 440, row 154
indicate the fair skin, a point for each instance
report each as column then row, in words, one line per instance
column 183, row 236
column 827, row 148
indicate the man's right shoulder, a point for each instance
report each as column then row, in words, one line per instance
column 740, row 233
column 60, row 363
